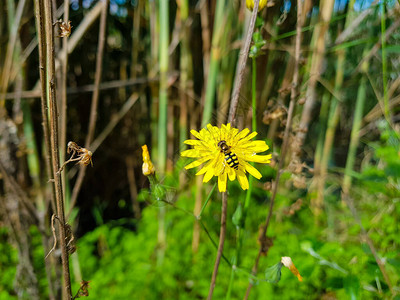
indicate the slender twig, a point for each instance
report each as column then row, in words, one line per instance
column 220, row 245
column 244, row 51
column 53, row 230
column 285, row 143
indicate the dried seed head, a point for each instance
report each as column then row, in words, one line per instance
column 72, row 146
column 85, row 157
column 64, row 28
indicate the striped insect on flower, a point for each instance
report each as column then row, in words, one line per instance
column 226, row 153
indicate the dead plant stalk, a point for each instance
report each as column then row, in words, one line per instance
column 48, row 52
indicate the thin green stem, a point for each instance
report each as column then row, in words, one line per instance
column 206, row 202
column 384, row 61
column 351, row 156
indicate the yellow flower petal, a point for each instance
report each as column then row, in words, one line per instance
column 244, row 183
column 219, row 165
column 205, row 168
column 198, row 162
column 256, row 146
column 242, row 134
column 209, row 174
column 253, row 171
column 195, row 133
column 193, row 142
column 247, row 138
column 265, row 159
column 231, row 174
column 222, row 182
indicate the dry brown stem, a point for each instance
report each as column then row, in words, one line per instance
column 220, row 244
column 244, row 51
column 47, row 21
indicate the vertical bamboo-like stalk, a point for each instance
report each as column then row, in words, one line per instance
column 384, row 63
column 214, row 63
column 9, row 54
column 51, row 97
column 355, row 130
column 185, row 66
column 323, row 118
column 163, row 91
column 334, row 115
column 326, row 8
column 162, row 117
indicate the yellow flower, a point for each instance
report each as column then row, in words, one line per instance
column 261, row 5
column 226, row 153
column 147, row 167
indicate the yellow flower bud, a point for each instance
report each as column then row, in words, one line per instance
column 147, row 167
column 288, row 263
column 261, row 5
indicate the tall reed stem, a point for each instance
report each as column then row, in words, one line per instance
column 214, row 63
column 162, row 117
column 384, row 62
column 51, row 98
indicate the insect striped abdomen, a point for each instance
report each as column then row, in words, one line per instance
column 232, row 160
